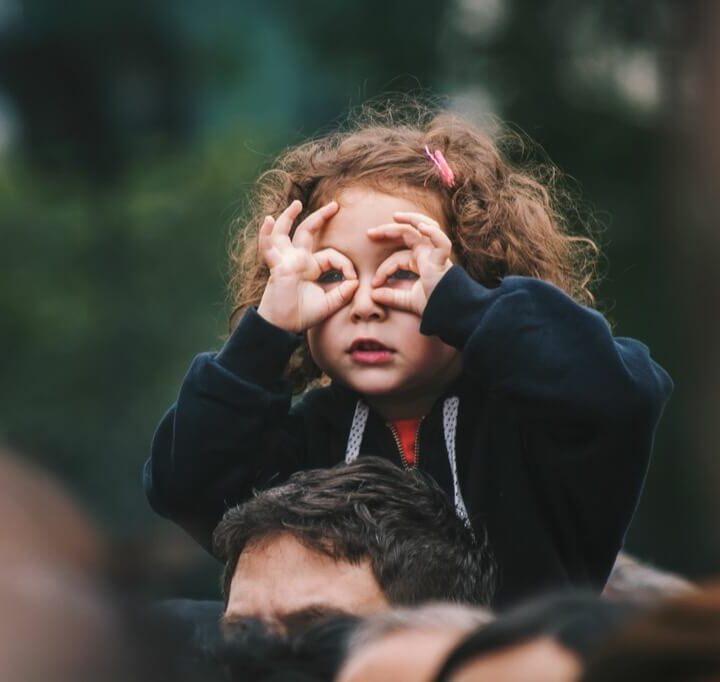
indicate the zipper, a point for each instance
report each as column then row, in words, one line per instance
column 398, row 443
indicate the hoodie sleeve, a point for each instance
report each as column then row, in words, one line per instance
column 587, row 403
column 230, row 430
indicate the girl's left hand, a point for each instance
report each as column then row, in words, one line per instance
column 427, row 257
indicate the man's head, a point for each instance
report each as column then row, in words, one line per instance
column 354, row 538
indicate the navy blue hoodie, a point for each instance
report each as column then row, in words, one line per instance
column 547, row 451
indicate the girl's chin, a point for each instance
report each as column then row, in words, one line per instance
column 379, row 388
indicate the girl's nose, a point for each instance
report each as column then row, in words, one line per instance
column 363, row 307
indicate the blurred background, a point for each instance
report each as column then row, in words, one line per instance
column 130, row 132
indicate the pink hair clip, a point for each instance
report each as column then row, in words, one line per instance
column 446, row 174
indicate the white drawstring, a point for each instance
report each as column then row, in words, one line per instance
column 356, row 432
column 450, row 417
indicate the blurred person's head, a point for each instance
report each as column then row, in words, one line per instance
column 58, row 621
column 408, row 644
column 355, row 539
column 61, row 618
column 54, row 626
column 678, row 641
column 48, row 590
column 545, row 640
column 306, row 652
column 41, row 523
column 541, row 659
column 632, row 580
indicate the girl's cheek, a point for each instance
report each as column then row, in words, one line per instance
column 316, row 343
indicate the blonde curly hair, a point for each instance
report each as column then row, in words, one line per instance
column 502, row 218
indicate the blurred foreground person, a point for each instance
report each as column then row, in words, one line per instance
column 678, row 641
column 55, row 627
column 353, row 539
column 41, row 524
column 60, row 621
column 253, row 651
column 545, row 640
column 55, row 622
column 408, row 645
column 632, row 580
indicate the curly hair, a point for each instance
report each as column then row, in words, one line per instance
column 502, row 218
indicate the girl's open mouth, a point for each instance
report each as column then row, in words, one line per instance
column 370, row 352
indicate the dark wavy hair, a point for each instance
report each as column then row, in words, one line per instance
column 400, row 520
column 503, row 218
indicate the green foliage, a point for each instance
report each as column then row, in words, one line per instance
column 105, row 299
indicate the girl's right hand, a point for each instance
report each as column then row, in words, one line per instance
column 295, row 297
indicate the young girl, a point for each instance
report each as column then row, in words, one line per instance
column 436, row 288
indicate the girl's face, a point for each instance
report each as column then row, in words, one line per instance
column 408, row 372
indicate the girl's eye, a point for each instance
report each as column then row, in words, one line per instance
column 330, row 277
column 403, row 275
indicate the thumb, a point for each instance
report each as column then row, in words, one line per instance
column 393, row 298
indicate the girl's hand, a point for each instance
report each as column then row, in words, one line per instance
column 295, row 297
column 407, row 278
